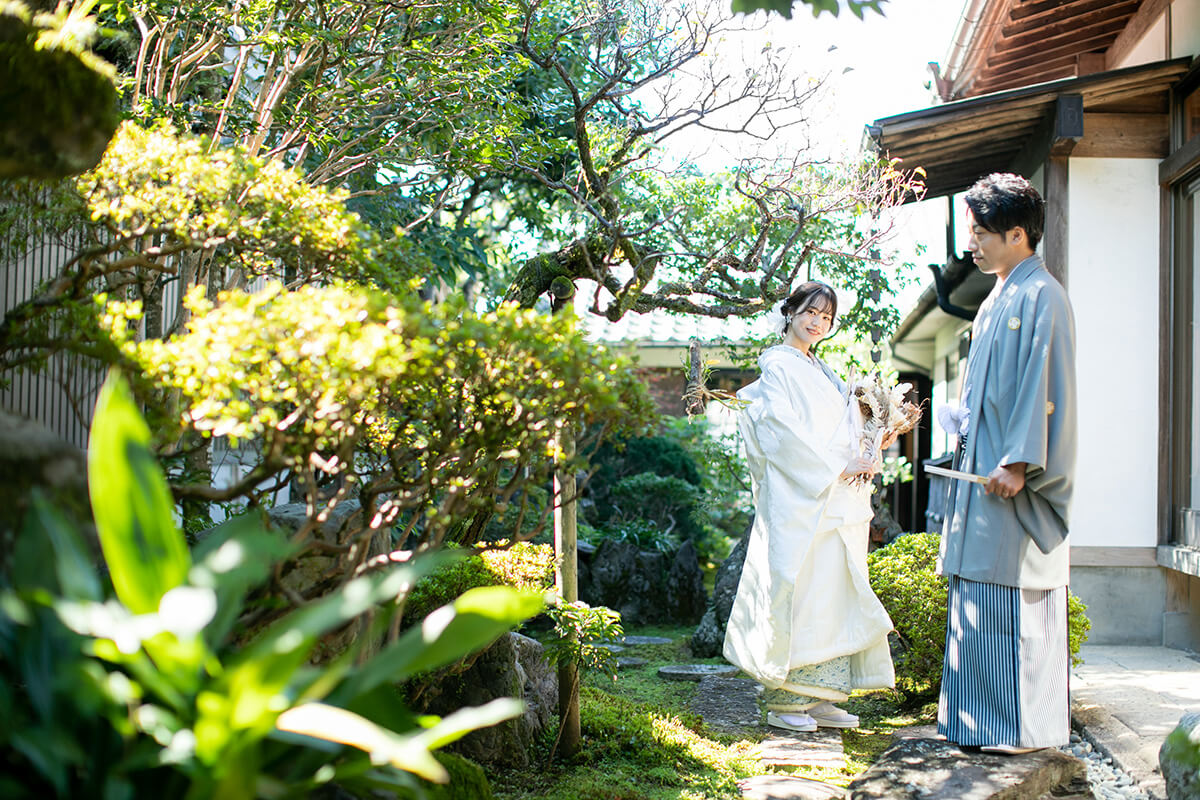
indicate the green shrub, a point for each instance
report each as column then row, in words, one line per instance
column 904, row 578
column 139, row 682
column 523, row 566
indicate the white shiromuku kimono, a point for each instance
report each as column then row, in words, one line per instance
column 805, row 622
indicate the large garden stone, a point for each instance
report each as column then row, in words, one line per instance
column 686, row 597
column 33, row 457
column 709, row 638
column 931, row 769
column 514, row 666
column 1179, row 759
column 644, row 586
column 728, row 705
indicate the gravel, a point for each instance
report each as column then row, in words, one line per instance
column 1108, row 781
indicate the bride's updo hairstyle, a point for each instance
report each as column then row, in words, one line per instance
column 809, row 293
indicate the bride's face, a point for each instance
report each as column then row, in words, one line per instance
column 812, row 323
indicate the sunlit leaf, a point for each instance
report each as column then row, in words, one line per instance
column 145, row 552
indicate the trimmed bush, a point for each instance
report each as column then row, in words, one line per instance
column 524, row 566
column 904, row 578
column 903, row 575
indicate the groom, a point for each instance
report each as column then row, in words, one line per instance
column 1004, row 546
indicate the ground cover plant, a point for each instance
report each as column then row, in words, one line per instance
column 641, row 741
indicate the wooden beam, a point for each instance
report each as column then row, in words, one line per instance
column 1058, row 12
column 1056, row 135
column 1124, row 136
column 1068, row 46
column 1113, row 557
column 1067, row 29
column 981, row 45
column 1089, row 63
column 1055, row 242
column 1137, row 27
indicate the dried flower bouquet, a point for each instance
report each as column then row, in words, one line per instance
column 884, row 411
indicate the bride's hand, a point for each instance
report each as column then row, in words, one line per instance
column 859, row 465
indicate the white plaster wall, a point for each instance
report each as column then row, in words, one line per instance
column 1185, row 28
column 1113, row 283
column 1151, row 48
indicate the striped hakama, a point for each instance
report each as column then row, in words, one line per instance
column 1004, row 681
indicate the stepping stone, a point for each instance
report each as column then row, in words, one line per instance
column 937, row 770
column 788, row 787
column 728, row 705
column 627, row 662
column 637, row 640
column 612, row 648
column 696, row 672
column 821, row 748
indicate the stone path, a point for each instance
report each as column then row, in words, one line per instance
column 730, row 706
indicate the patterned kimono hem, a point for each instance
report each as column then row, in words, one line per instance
column 811, row 684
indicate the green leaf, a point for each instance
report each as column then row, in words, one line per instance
column 146, row 554
column 335, row 724
column 77, row 577
column 465, row 720
column 235, row 557
column 471, row 622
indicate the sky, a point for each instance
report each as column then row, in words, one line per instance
column 873, row 68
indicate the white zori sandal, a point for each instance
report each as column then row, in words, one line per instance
column 827, row 715
column 792, row 721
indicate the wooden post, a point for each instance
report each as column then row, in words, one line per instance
column 566, row 579
column 566, row 549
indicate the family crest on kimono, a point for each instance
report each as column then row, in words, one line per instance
column 1004, row 546
column 805, row 622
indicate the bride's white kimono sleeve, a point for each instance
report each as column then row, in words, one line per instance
column 803, row 597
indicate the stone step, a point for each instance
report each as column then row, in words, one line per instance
column 788, row 787
column 821, row 748
column 696, row 672
column 932, row 769
column 634, row 641
column 728, row 705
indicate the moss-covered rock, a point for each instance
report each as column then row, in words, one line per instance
column 467, row 780
column 60, row 100
column 1179, row 759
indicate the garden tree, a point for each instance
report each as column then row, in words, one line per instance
column 818, row 7
column 441, row 119
column 426, row 414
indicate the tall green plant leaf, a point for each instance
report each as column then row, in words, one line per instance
column 76, row 576
column 146, row 553
column 472, row 621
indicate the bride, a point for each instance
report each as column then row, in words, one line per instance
column 805, row 622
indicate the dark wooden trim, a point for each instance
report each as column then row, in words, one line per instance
column 1166, row 362
column 1113, row 557
column 1055, row 247
column 1141, row 22
column 1175, row 166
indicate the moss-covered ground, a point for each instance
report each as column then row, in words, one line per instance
column 640, row 742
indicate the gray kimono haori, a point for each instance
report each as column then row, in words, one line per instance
column 1007, row 560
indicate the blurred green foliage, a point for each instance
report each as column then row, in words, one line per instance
column 146, row 688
